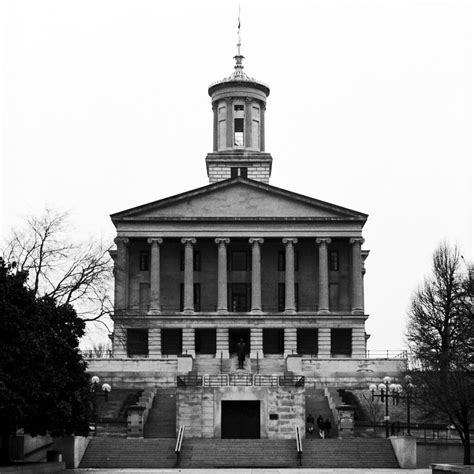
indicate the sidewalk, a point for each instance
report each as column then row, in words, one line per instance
column 252, row 471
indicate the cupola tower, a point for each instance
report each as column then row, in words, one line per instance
column 238, row 104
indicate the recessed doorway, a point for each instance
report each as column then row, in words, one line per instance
column 240, row 419
column 234, row 337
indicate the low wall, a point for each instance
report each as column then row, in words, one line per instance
column 433, row 452
column 24, row 446
column 35, row 468
column 345, row 372
column 131, row 373
column 72, row 449
column 404, row 448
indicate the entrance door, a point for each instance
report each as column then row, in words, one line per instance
column 240, row 419
column 234, row 337
column 273, row 341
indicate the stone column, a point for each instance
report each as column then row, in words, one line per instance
column 188, row 274
column 189, row 345
column 248, row 122
column 119, row 342
column 324, row 343
column 216, row 124
column 155, row 268
column 256, row 343
column 154, row 342
column 256, row 275
column 290, row 303
column 358, row 342
column 222, row 343
column 323, row 299
column 222, row 274
column 357, row 291
column 262, row 127
column 121, row 270
column 290, row 342
column 229, row 124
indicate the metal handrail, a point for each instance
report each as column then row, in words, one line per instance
column 299, row 446
column 258, row 364
column 179, row 443
column 291, row 380
column 222, row 361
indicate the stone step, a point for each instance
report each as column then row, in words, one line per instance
column 220, row 453
column 161, row 422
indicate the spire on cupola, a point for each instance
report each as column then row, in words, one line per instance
column 238, row 103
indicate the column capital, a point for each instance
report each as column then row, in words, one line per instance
column 289, row 241
column 323, row 240
column 214, row 105
column 188, row 240
column 248, row 100
column 356, row 240
column 222, row 240
column 228, row 100
column 155, row 240
column 255, row 240
column 122, row 240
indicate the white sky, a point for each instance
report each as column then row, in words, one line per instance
column 104, row 106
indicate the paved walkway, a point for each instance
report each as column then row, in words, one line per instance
column 252, row 471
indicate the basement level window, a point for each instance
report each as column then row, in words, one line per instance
column 234, row 172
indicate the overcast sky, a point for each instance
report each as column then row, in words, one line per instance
column 104, row 106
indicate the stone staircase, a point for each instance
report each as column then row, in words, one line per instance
column 238, row 453
column 317, row 404
column 161, row 422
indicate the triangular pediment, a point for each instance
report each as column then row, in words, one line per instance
column 238, row 198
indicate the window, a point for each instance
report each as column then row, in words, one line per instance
column 205, row 341
column 137, row 342
column 239, row 132
column 239, row 108
column 307, row 341
column 282, row 261
column 235, row 171
column 239, row 297
column 196, row 297
column 273, row 341
column 144, row 261
column 171, row 341
column 239, row 261
column 334, row 260
column 341, row 342
column 196, row 261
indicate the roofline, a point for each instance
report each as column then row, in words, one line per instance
column 249, row 182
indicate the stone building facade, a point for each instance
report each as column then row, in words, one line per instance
column 239, row 259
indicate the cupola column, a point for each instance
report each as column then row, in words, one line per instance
column 357, row 284
column 323, row 299
column 256, row 275
column 222, row 274
column 188, row 274
column 155, row 284
column 248, row 122
column 229, row 127
column 290, row 303
column 262, row 126
column 121, row 269
column 215, row 110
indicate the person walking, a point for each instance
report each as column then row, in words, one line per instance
column 320, row 423
column 310, row 424
column 327, row 428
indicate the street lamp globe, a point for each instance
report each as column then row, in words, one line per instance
column 372, row 387
column 95, row 379
column 387, row 380
column 381, row 386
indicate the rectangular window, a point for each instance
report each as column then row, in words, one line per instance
column 273, row 341
column 137, row 342
column 234, row 172
column 239, row 261
column 196, row 261
column 341, row 342
column 239, row 108
column 205, row 341
column 171, row 341
column 144, row 261
column 334, row 261
column 239, row 297
column 196, row 297
column 239, row 132
column 243, row 172
column 282, row 261
column 307, row 341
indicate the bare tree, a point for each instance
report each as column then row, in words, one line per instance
column 441, row 338
column 73, row 273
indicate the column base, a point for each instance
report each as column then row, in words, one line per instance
column 189, row 352
column 289, row 353
column 357, row 311
column 155, row 355
column 188, row 311
column 256, row 311
column 222, row 311
column 290, row 311
column 225, row 354
column 323, row 311
column 154, row 311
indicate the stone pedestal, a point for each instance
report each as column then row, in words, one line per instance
column 345, row 421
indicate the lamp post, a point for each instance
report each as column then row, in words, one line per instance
column 387, row 390
column 409, row 396
column 95, row 390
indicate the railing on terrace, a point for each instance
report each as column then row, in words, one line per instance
column 240, row 380
column 387, row 354
column 421, row 431
column 97, row 353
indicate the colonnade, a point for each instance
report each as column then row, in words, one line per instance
column 122, row 277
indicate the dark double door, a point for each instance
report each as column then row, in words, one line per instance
column 240, row 419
